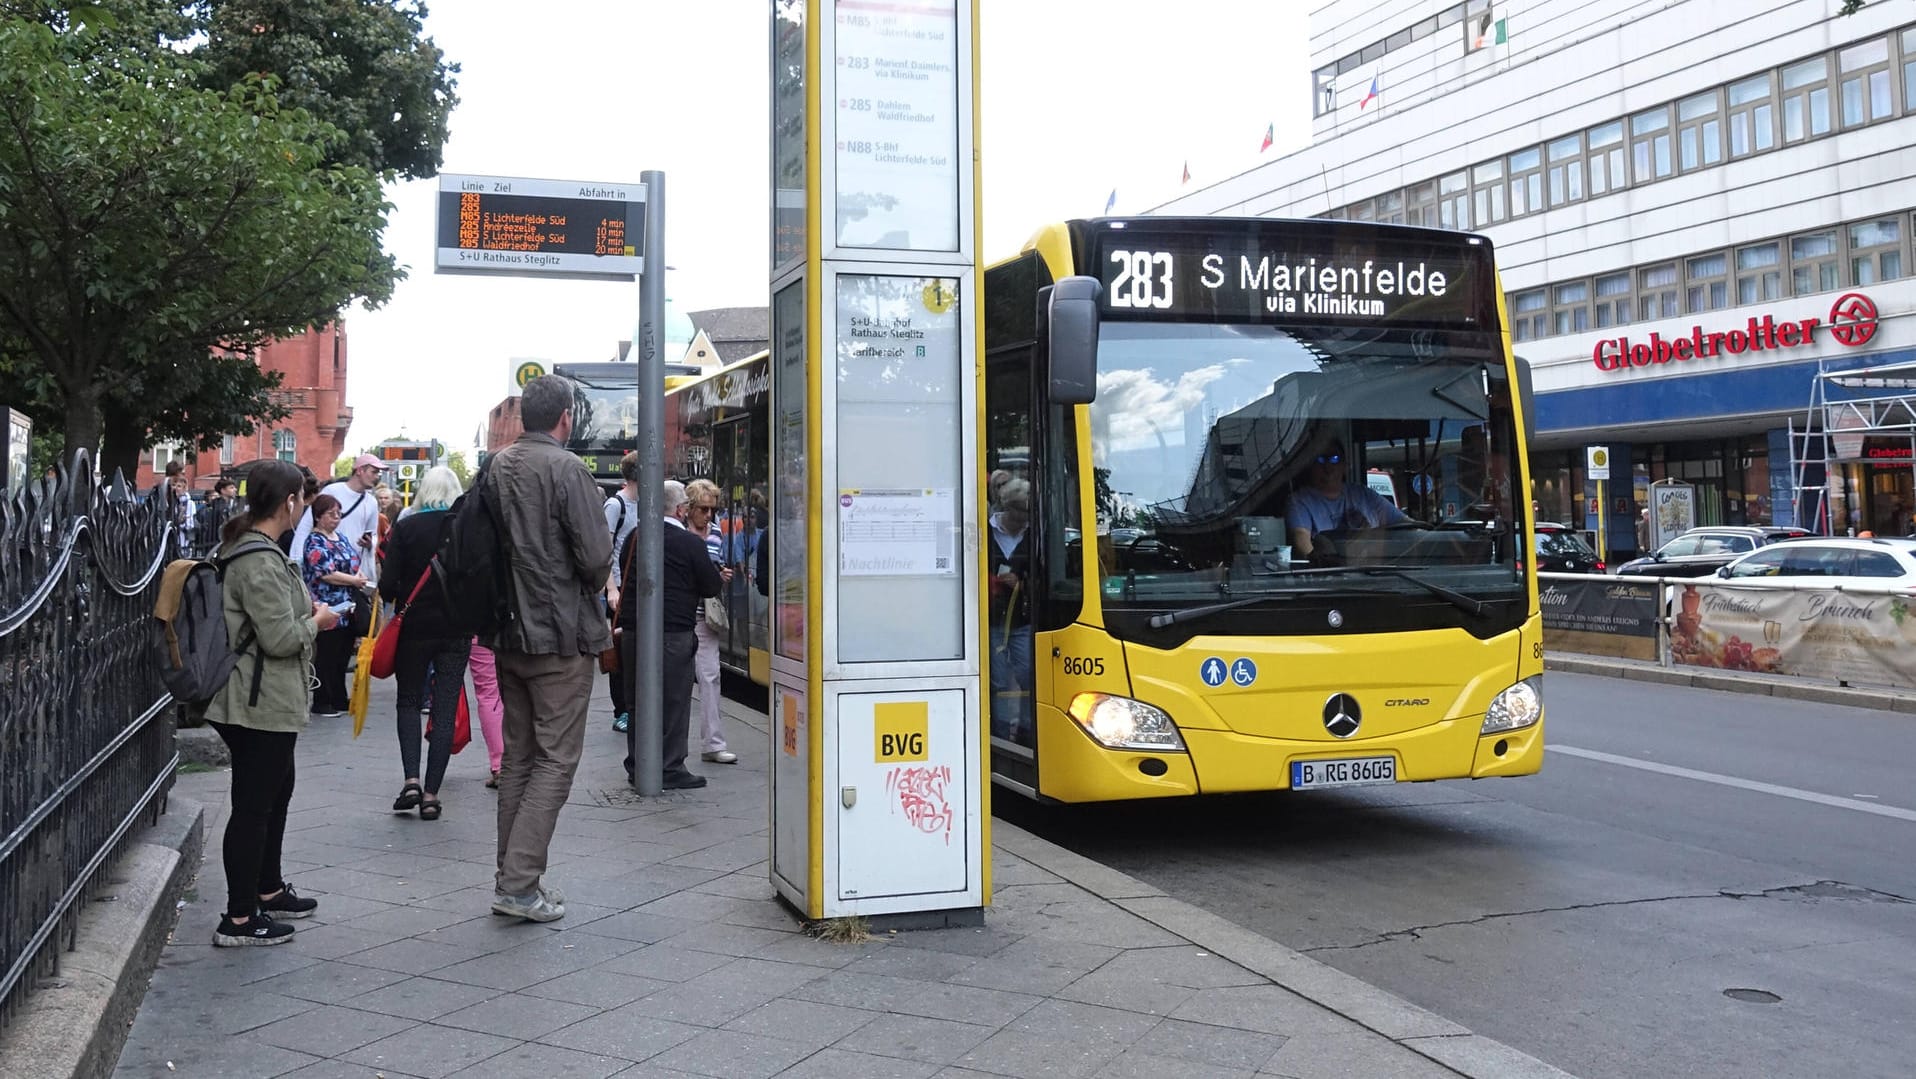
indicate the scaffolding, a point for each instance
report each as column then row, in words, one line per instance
column 1838, row 426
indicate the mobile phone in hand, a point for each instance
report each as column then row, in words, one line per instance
column 343, row 608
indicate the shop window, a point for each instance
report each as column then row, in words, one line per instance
column 1390, row 207
column 1707, row 285
column 1657, row 292
column 1570, row 307
column 1420, row 204
column 1650, row 145
column 1605, row 157
column 1806, row 99
column 1453, row 201
column 1488, row 192
column 1526, row 182
column 1529, row 317
column 1876, row 251
column 1813, row 262
column 1752, row 116
column 1699, row 131
column 1909, row 71
column 1759, row 272
column 1566, row 170
column 1864, row 70
column 1613, row 300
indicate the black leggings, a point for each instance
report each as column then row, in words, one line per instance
column 445, row 659
column 330, row 652
column 262, row 789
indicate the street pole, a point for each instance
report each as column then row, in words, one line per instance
column 644, row 736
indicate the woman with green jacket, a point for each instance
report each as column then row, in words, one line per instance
column 271, row 621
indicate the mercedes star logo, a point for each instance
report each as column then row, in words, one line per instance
column 1342, row 715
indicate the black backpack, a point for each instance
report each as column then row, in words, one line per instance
column 189, row 630
column 473, row 566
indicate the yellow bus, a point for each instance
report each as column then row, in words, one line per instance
column 1197, row 584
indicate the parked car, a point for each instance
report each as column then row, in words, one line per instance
column 1560, row 550
column 1702, row 551
column 1834, row 561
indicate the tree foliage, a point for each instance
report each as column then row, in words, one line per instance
column 363, row 65
column 174, row 192
column 146, row 222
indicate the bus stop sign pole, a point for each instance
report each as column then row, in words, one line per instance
column 645, row 742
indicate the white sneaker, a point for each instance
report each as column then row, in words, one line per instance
column 719, row 756
column 533, row 908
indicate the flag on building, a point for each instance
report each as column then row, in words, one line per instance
column 1187, row 173
column 1111, row 202
column 1270, row 136
column 1370, row 95
column 1490, row 27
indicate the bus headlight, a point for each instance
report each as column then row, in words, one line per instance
column 1515, row 708
column 1122, row 723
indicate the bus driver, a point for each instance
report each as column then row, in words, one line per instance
column 1328, row 504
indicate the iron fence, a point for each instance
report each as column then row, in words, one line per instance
column 86, row 731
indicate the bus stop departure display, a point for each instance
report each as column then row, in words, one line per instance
column 493, row 224
column 1294, row 278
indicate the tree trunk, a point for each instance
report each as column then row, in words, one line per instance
column 82, row 427
column 121, row 446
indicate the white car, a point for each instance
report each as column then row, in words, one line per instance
column 1883, row 563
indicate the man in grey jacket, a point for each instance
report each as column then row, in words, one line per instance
column 560, row 551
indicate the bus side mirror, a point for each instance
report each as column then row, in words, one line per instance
column 1071, row 318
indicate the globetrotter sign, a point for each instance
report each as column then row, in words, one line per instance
column 1852, row 321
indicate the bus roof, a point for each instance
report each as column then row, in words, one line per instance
column 707, row 375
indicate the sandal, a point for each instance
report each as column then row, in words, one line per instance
column 409, row 796
column 429, row 810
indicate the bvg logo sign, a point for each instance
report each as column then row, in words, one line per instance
column 900, row 731
column 1853, row 319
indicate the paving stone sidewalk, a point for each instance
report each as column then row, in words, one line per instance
column 674, row 958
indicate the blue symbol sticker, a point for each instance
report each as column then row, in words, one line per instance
column 1212, row 671
column 1243, row 672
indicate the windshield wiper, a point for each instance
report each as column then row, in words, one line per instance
column 1404, row 573
column 1160, row 621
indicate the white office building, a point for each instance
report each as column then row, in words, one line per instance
column 1698, row 207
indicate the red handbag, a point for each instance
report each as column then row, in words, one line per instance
column 386, row 645
column 461, row 724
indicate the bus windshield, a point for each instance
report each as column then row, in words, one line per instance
column 605, row 412
column 1237, row 461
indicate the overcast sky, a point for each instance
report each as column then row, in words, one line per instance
column 1080, row 97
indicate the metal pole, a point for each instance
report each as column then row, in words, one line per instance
column 644, row 738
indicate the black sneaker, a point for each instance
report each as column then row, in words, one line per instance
column 289, row 904
column 260, row 929
column 685, row 781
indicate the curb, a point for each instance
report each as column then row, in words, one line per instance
column 203, row 745
column 78, row 1021
column 1763, row 685
column 1423, row 1032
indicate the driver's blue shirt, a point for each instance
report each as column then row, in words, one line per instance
column 1356, row 507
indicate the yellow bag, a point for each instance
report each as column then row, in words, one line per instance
column 363, row 674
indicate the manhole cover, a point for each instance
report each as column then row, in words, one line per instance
column 1753, row 996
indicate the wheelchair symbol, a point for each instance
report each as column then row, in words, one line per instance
column 1243, row 672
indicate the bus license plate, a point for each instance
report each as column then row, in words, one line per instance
column 1347, row 772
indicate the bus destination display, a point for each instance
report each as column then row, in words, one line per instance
column 541, row 228
column 1289, row 279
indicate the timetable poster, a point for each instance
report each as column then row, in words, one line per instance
column 896, row 124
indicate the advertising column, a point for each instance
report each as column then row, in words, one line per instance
column 878, row 784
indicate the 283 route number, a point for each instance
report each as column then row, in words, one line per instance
column 1137, row 285
column 1084, row 665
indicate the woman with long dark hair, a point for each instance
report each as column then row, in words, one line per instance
column 332, row 572
column 272, row 621
column 431, row 655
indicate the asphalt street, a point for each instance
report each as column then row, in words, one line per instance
column 1699, row 883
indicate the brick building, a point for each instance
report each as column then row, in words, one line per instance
column 313, row 386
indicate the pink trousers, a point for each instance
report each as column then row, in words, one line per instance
column 492, row 711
